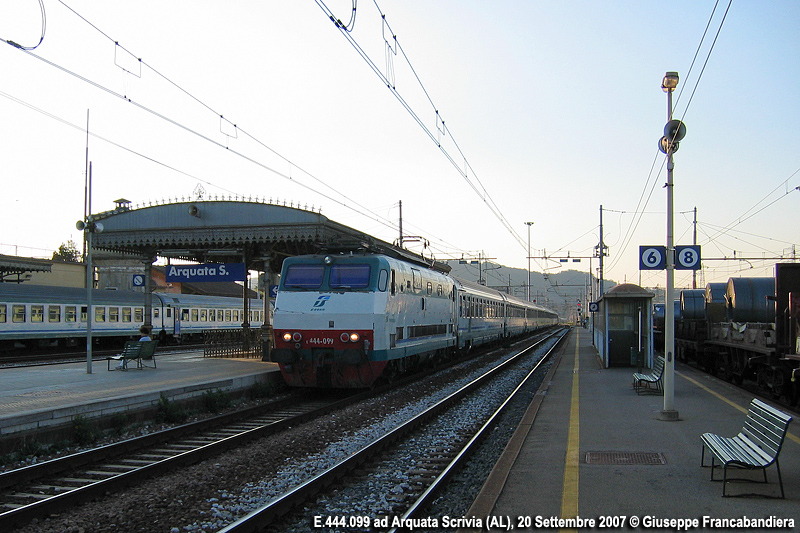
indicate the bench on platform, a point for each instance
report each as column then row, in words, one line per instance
column 757, row 445
column 642, row 382
column 139, row 351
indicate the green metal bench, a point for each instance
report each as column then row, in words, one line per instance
column 642, row 382
column 139, row 351
column 757, row 445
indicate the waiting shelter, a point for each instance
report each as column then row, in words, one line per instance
column 623, row 327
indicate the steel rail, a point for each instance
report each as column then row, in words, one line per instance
column 261, row 518
column 98, row 488
column 460, row 458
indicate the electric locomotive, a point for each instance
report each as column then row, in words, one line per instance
column 344, row 321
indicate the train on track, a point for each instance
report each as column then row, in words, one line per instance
column 747, row 329
column 348, row 320
column 39, row 316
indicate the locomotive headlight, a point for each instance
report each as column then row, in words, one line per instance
column 287, row 336
column 354, row 337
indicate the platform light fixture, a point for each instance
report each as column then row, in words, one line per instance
column 668, row 84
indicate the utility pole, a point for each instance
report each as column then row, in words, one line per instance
column 400, row 245
column 601, row 252
column 694, row 242
column 528, row 289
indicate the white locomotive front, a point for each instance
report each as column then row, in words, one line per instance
column 343, row 320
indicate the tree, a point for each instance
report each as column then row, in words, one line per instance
column 67, row 252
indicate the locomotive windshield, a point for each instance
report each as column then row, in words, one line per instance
column 340, row 276
column 350, row 276
column 304, row 276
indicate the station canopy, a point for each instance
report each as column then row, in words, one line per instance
column 231, row 231
column 17, row 269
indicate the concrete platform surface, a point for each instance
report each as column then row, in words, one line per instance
column 40, row 397
column 598, row 451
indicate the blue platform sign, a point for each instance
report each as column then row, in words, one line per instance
column 206, row 272
column 652, row 257
column 687, row 257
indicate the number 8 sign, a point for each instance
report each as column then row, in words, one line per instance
column 687, row 257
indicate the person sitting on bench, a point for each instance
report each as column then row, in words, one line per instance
column 144, row 332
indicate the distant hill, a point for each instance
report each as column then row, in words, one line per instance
column 561, row 290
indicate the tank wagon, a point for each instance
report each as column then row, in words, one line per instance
column 39, row 316
column 748, row 329
column 344, row 321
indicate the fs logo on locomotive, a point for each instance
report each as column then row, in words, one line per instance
column 320, row 303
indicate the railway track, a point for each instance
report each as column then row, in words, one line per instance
column 42, row 489
column 404, row 469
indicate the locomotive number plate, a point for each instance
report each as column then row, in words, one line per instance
column 320, row 340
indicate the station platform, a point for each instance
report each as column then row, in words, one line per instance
column 590, row 447
column 38, row 399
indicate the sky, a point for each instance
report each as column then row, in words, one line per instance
column 501, row 113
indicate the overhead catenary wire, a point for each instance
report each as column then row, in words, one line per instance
column 636, row 220
column 475, row 184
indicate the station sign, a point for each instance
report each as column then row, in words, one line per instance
column 594, row 307
column 687, row 257
column 655, row 257
column 138, row 280
column 206, row 272
column 652, row 257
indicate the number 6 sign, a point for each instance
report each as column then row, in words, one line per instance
column 652, row 257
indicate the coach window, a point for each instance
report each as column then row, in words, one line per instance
column 100, row 314
column 204, row 315
column 18, row 313
column 138, row 314
column 156, row 312
column 194, row 315
column 126, row 314
column 430, row 288
column 3, row 311
column 37, row 313
column 54, row 313
column 220, row 315
column 383, row 281
column 212, row 315
column 113, row 314
column 227, row 315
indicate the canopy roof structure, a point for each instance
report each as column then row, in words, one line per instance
column 225, row 231
column 13, row 268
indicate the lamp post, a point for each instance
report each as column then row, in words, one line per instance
column 668, row 85
column 528, row 288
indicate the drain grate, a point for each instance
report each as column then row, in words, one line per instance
column 625, row 458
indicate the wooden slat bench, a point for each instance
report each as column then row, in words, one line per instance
column 642, row 382
column 139, row 351
column 757, row 445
